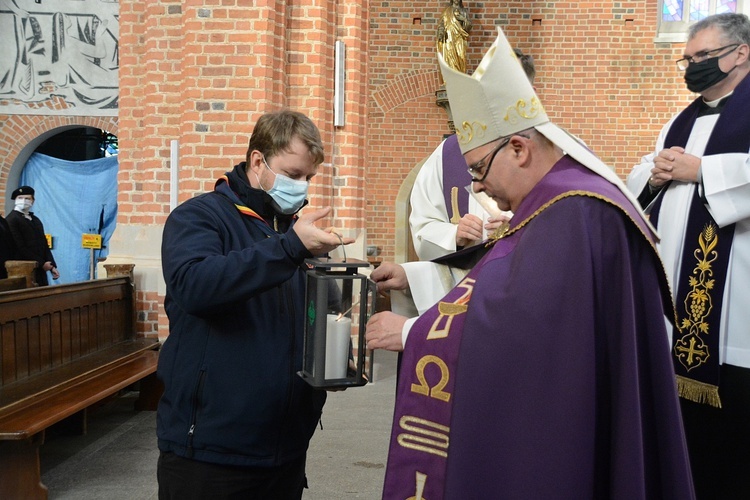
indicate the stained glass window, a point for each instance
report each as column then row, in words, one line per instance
column 725, row 6
column 698, row 9
column 676, row 16
column 671, row 10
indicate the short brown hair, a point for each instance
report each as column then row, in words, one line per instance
column 274, row 132
column 527, row 62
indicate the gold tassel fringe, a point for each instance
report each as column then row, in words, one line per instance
column 698, row 392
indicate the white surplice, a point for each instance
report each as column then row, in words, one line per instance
column 726, row 187
column 433, row 234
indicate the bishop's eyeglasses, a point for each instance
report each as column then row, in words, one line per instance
column 480, row 169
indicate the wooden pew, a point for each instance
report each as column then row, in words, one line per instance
column 62, row 349
column 7, row 284
column 21, row 269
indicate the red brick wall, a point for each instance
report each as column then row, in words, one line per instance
column 204, row 71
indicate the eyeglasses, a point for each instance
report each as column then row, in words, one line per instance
column 703, row 55
column 482, row 167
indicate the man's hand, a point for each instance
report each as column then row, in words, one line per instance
column 47, row 266
column 389, row 276
column 384, row 331
column 674, row 164
column 469, row 230
column 316, row 240
column 495, row 222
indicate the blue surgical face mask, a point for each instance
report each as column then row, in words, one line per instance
column 288, row 195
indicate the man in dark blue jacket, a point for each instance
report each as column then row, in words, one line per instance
column 235, row 420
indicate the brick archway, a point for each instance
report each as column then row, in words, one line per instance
column 405, row 88
column 20, row 135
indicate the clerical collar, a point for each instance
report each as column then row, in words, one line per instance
column 713, row 107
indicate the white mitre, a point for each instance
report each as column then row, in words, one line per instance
column 498, row 101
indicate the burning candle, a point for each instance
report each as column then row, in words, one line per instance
column 339, row 331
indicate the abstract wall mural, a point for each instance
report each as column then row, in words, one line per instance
column 59, row 57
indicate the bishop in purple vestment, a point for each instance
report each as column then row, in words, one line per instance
column 545, row 373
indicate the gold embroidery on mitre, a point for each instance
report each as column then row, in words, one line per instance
column 468, row 131
column 524, row 109
column 690, row 349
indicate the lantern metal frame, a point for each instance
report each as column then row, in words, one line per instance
column 317, row 288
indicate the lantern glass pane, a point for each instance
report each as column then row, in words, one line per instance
column 337, row 302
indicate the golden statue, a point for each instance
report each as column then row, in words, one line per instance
column 453, row 34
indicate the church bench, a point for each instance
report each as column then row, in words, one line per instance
column 12, row 284
column 63, row 349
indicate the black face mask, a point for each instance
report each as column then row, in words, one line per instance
column 702, row 75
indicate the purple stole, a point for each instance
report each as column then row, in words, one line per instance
column 421, row 424
column 421, row 431
column 455, row 178
column 705, row 256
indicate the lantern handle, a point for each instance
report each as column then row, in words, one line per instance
column 341, row 240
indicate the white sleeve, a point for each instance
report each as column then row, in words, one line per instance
column 432, row 232
column 641, row 173
column 726, row 186
column 405, row 331
column 428, row 282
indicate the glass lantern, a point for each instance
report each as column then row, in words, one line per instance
column 338, row 302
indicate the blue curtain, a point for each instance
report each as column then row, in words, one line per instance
column 73, row 198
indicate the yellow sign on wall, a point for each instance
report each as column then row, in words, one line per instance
column 49, row 240
column 93, row 241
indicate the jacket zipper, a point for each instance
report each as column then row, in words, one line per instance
column 194, row 413
column 287, row 296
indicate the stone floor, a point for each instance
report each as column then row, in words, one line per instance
column 116, row 460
